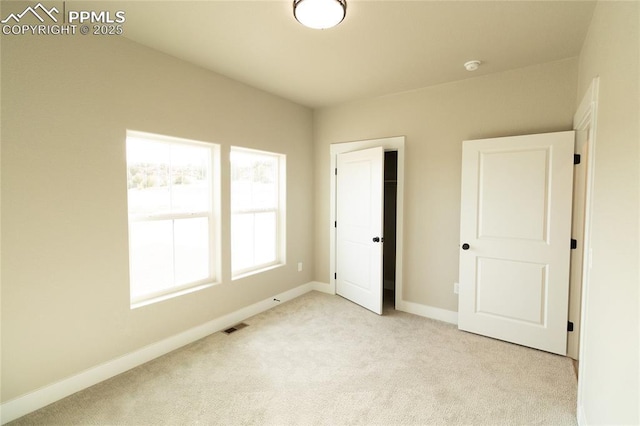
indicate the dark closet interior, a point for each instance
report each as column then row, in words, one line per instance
column 389, row 233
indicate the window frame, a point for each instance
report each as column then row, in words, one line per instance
column 212, row 214
column 279, row 210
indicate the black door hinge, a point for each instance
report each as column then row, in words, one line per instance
column 569, row 326
column 335, row 224
column 336, row 171
column 335, row 276
column 574, row 244
column 576, row 158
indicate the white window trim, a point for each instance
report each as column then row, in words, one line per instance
column 214, row 223
column 281, row 240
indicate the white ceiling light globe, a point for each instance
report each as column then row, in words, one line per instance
column 319, row 14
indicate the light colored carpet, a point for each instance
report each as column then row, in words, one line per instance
column 322, row 360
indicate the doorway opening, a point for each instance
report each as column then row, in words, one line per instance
column 389, row 230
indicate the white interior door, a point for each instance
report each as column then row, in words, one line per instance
column 515, row 231
column 359, row 219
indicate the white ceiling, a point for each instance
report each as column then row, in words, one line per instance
column 381, row 47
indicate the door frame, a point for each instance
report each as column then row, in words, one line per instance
column 389, row 144
column 585, row 119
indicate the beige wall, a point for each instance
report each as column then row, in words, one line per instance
column 610, row 363
column 435, row 121
column 66, row 104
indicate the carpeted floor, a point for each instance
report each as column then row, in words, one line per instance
column 321, row 360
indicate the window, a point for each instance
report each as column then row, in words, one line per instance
column 172, row 202
column 257, row 210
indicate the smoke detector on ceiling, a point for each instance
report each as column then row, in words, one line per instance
column 472, row 65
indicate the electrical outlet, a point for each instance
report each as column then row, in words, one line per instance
column 299, row 266
column 456, row 288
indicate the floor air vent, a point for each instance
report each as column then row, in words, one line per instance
column 235, row 328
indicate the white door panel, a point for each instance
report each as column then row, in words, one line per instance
column 527, row 215
column 359, row 215
column 516, row 220
column 497, row 296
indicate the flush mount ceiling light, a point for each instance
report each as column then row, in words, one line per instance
column 319, row 14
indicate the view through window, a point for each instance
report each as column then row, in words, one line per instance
column 257, row 213
column 171, row 186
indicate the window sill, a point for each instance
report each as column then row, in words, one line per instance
column 257, row 271
column 164, row 297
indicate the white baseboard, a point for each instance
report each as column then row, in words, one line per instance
column 402, row 305
column 428, row 311
column 322, row 287
column 46, row 395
